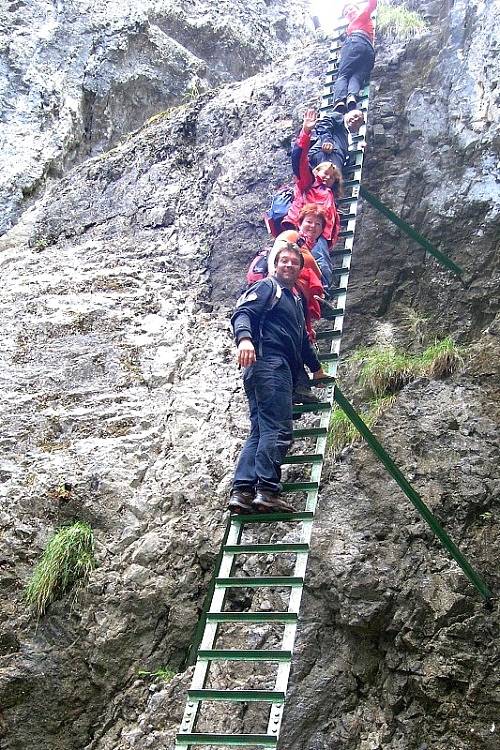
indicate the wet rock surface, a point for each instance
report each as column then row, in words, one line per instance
column 77, row 76
column 119, row 382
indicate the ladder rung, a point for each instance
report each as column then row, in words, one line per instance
column 340, row 253
column 304, row 515
column 264, row 549
column 345, row 201
column 335, row 312
column 341, row 270
column 312, row 458
column 312, row 408
column 362, row 96
column 338, row 290
column 328, row 335
column 328, row 357
column 229, row 740
column 346, row 233
column 300, row 486
column 306, row 432
column 266, row 696
column 260, row 617
column 238, row 655
column 258, row 581
column 327, row 380
column 351, row 183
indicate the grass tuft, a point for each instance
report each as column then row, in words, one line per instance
column 382, row 373
column 384, row 369
column 67, row 559
column 398, row 23
column 342, row 432
column 162, row 673
column 441, row 359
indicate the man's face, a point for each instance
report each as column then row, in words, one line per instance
column 311, row 227
column 354, row 120
column 350, row 12
column 288, row 268
column 324, row 174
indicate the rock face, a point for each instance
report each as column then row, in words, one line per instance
column 78, row 75
column 119, row 382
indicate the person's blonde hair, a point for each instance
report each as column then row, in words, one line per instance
column 338, row 180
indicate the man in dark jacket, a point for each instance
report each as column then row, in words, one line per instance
column 270, row 332
column 330, row 138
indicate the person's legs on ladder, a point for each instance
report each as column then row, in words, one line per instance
column 273, row 391
column 322, row 256
column 364, row 57
column 344, row 73
column 245, row 477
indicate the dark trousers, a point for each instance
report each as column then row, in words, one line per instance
column 357, row 58
column 322, row 256
column 268, row 387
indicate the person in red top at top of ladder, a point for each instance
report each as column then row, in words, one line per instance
column 357, row 55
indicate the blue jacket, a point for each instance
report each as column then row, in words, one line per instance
column 279, row 331
column 330, row 129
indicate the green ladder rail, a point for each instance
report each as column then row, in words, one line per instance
column 412, row 494
column 411, row 232
column 204, row 649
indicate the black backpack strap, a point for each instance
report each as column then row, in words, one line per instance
column 272, row 300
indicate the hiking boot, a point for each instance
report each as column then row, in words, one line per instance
column 271, row 502
column 240, row 501
column 340, row 106
column 304, row 395
column 351, row 103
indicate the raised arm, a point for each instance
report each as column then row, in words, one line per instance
column 300, row 152
column 366, row 13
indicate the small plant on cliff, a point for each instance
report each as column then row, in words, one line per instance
column 67, row 559
column 342, row 432
column 441, row 359
column 162, row 673
column 384, row 369
column 398, row 23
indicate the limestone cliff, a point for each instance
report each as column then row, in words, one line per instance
column 79, row 74
column 118, row 381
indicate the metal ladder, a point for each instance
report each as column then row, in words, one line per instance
column 232, row 547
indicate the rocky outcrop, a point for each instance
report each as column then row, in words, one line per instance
column 77, row 76
column 119, row 382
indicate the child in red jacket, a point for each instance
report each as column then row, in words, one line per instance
column 357, row 55
column 321, row 187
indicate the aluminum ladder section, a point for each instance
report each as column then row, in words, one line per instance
column 208, row 652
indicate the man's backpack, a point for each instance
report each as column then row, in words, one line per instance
column 279, row 208
column 258, row 268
